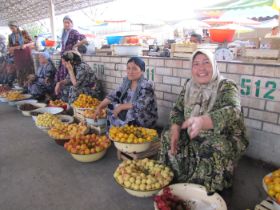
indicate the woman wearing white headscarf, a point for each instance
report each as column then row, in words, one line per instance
column 42, row 84
column 207, row 133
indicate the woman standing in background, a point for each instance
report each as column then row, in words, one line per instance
column 71, row 39
column 19, row 47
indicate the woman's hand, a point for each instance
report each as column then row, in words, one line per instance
column 57, row 88
column 96, row 113
column 174, row 137
column 117, row 110
column 196, row 124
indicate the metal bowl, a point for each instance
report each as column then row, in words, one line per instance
column 196, row 196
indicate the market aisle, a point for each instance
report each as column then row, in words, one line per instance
column 36, row 173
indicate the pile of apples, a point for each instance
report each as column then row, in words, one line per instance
column 89, row 113
column 86, row 101
column 132, row 134
column 58, row 103
column 14, row 95
column 272, row 183
column 143, row 175
column 47, row 120
column 87, row 144
column 66, row 131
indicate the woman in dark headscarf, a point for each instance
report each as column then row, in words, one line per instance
column 19, row 48
column 80, row 79
column 134, row 102
column 71, row 39
column 42, row 84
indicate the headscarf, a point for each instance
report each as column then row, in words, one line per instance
column 45, row 54
column 65, row 33
column 138, row 61
column 73, row 56
column 200, row 98
column 13, row 35
column 127, row 83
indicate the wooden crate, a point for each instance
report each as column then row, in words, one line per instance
column 152, row 151
column 262, row 53
column 183, row 48
column 180, row 55
column 265, row 205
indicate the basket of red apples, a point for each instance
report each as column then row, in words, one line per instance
column 88, row 148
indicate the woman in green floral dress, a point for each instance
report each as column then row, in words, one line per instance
column 207, row 134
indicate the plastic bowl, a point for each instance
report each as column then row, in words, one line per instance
column 90, row 157
column 196, row 196
column 3, row 100
column 114, row 39
column 49, row 43
column 28, row 113
column 99, row 122
column 28, row 101
column 275, row 204
column 128, row 50
column 221, row 35
column 51, row 110
column 66, row 118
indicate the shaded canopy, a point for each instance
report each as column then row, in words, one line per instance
column 32, row 10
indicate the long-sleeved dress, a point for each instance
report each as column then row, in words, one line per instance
column 22, row 57
column 209, row 159
column 39, row 88
column 87, row 83
column 73, row 38
column 144, row 108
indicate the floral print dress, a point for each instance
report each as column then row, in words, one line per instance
column 144, row 110
column 208, row 159
column 73, row 38
column 87, row 83
column 40, row 87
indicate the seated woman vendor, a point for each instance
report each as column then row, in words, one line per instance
column 207, row 134
column 80, row 79
column 42, row 84
column 134, row 102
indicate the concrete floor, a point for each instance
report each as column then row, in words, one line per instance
column 36, row 173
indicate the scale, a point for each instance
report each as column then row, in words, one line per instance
column 223, row 53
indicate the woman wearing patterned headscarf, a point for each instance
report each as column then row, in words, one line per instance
column 134, row 102
column 207, row 133
column 19, row 45
column 71, row 39
column 80, row 79
column 42, row 84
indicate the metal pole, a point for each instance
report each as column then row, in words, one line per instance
column 52, row 19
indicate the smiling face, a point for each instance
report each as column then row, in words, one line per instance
column 67, row 24
column 133, row 71
column 202, row 69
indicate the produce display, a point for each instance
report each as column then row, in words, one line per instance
column 46, row 120
column 4, row 89
column 27, row 107
column 272, row 183
column 132, row 134
column 58, row 103
column 89, row 113
column 85, row 101
column 143, row 175
column 66, row 131
column 168, row 201
column 87, row 144
column 15, row 95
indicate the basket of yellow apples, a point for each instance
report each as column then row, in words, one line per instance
column 88, row 148
column 143, row 178
column 62, row 132
column 271, row 185
column 132, row 139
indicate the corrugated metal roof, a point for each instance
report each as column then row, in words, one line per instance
column 26, row 11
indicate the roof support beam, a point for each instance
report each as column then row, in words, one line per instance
column 52, row 19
